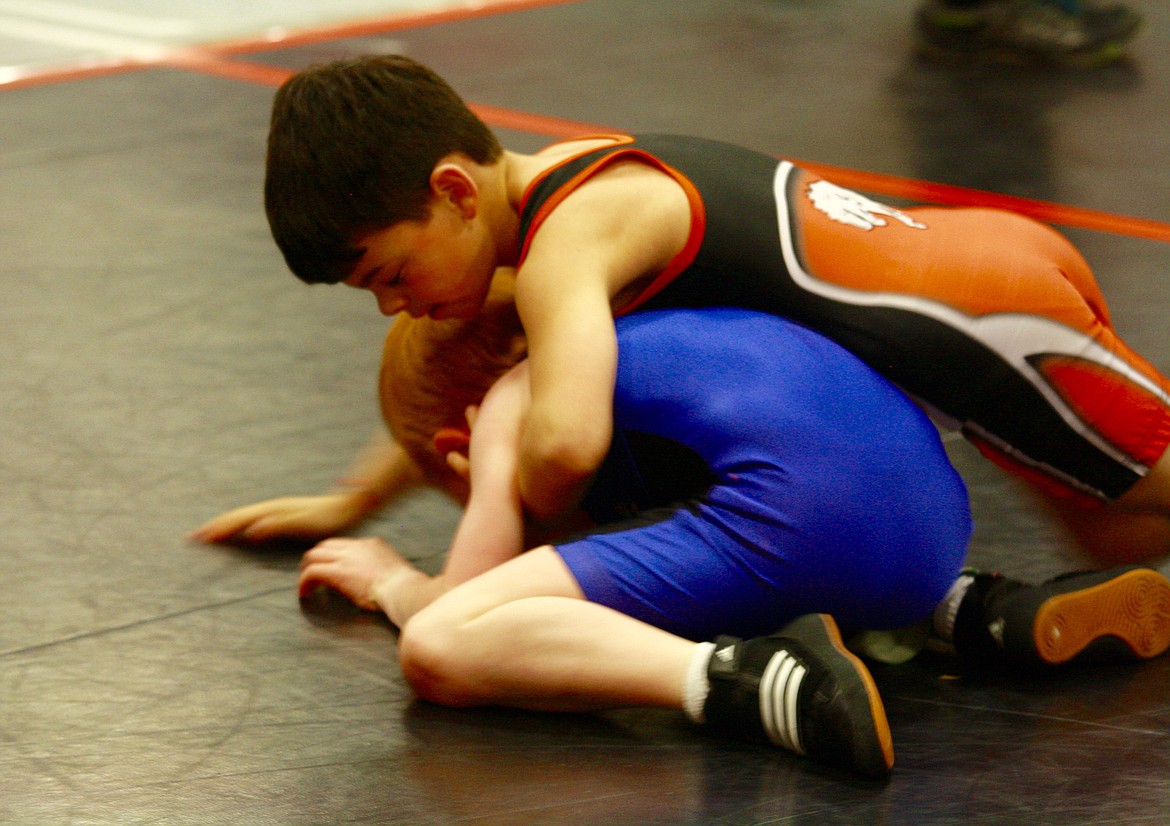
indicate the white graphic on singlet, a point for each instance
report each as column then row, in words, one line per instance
column 847, row 207
column 1014, row 336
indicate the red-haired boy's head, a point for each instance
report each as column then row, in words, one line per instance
column 432, row 371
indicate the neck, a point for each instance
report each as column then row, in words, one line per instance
column 513, row 175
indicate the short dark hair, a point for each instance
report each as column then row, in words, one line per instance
column 351, row 148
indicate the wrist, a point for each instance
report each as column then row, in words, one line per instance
column 399, row 593
column 359, row 495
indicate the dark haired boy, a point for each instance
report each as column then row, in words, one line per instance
column 380, row 177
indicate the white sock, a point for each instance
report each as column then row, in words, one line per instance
column 696, row 687
column 946, row 611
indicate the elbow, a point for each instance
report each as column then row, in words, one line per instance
column 556, row 472
column 575, row 459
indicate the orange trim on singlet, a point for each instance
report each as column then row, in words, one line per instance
column 686, row 255
column 557, row 197
column 690, row 249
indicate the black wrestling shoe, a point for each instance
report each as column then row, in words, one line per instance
column 1066, row 32
column 800, row 689
column 1122, row 613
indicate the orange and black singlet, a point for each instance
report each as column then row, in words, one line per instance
column 986, row 316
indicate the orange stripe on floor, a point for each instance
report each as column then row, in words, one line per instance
column 380, row 25
column 216, row 60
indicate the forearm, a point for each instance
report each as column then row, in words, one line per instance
column 492, row 528
column 566, row 431
column 380, row 472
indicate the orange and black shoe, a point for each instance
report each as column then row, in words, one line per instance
column 1118, row 614
column 800, row 689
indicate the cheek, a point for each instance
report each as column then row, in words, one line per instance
column 460, row 269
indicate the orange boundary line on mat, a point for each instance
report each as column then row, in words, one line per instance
column 895, row 186
column 214, row 60
column 379, row 25
column 62, row 74
column 498, row 117
column 192, row 56
column 208, row 63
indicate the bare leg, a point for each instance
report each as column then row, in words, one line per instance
column 523, row 635
column 1111, row 537
column 1133, row 529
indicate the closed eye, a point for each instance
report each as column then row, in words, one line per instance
column 384, row 277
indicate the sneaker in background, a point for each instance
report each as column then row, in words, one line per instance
column 1068, row 33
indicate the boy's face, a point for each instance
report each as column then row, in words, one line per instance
column 440, row 267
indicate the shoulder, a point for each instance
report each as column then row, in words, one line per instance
column 620, row 217
column 621, row 196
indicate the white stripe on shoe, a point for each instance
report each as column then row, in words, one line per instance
column 779, row 692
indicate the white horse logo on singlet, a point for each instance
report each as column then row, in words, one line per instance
column 847, row 207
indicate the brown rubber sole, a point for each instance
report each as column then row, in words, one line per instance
column 1133, row 608
column 883, row 762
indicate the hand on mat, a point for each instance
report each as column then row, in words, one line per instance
column 357, row 568
column 289, row 517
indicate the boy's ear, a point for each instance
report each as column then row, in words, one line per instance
column 451, row 440
column 452, row 182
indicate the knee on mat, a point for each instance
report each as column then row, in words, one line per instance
column 434, row 661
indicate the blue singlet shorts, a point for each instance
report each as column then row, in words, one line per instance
column 832, row 492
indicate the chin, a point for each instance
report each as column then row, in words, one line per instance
column 461, row 313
